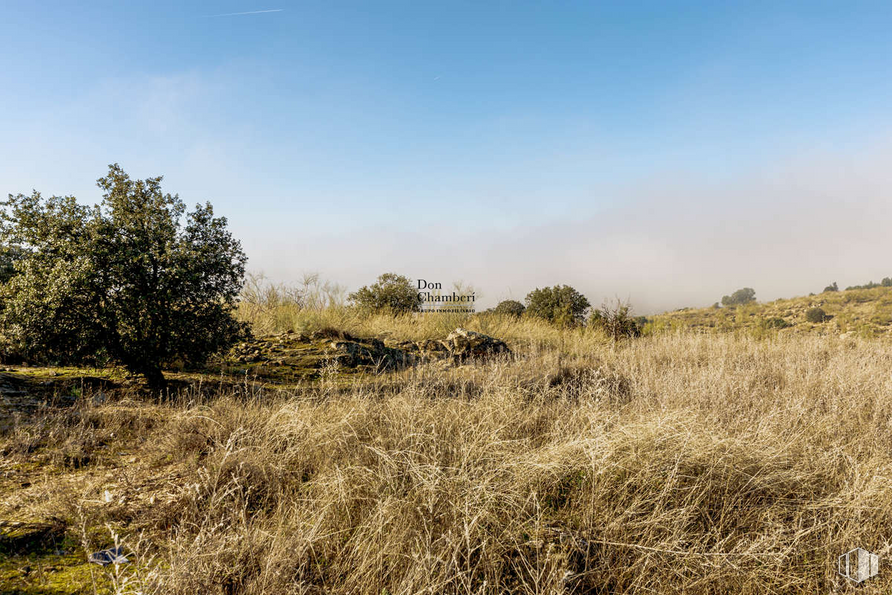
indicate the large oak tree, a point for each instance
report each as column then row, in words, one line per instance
column 135, row 279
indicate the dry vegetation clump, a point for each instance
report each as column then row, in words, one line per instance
column 678, row 463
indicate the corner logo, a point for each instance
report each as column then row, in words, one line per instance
column 858, row 565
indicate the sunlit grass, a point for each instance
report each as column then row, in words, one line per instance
column 676, row 463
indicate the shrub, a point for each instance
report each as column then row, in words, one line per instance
column 560, row 304
column 816, row 315
column 509, row 308
column 886, row 282
column 124, row 280
column 617, row 321
column 777, row 322
column 740, row 297
column 391, row 293
column 832, row 287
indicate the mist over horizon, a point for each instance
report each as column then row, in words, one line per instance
column 677, row 240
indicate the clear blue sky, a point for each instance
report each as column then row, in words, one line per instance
column 339, row 136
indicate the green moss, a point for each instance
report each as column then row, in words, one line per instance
column 49, row 574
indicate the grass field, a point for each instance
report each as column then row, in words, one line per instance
column 682, row 462
column 862, row 312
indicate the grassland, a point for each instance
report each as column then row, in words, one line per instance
column 862, row 312
column 681, row 462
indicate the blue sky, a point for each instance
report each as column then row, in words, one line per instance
column 612, row 146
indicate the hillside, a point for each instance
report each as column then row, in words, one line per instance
column 337, row 452
column 862, row 312
column 677, row 463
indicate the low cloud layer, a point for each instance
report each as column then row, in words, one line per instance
column 678, row 240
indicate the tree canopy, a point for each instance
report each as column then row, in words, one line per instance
column 134, row 280
column 740, row 297
column 560, row 304
column 391, row 293
column 509, row 308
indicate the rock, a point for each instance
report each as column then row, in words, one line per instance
column 464, row 344
column 330, row 333
column 431, row 345
column 113, row 555
column 369, row 352
column 306, row 356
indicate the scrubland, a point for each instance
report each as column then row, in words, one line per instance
column 679, row 462
column 863, row 312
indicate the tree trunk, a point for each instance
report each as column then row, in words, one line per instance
column 156, row 382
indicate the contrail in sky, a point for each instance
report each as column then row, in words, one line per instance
column 235, row 14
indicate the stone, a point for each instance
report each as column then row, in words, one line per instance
column 369, row 352
column 464, row 344
column 114, row 555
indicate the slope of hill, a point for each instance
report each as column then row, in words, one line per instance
column 861, row 312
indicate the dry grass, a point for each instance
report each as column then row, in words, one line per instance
column 863, row 312
column 679, row 463
column 527, row 334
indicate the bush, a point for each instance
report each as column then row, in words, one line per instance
column 816, row 315
column 886, row 282
column 740, row 297
column 560, row 304
column 617, row 321
column 777, row 323
column 832, row 287
column 392, row 294
column 509, row 308
column 123, row 281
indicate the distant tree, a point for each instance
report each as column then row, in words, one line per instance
column 126, row 280
column 816, row 315
column 832, row 287
column 391, row 293
column 740, row 297
column 887, row 282
column 509, row 308
column 868, row 285
column 560, row 304
column 616, row 320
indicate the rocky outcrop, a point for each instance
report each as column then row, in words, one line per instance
column 291, row 355
column 370, row 352
column 463, row 344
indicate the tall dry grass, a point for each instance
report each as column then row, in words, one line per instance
column 673, row 464
column 526, row 334
column 315, row 304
